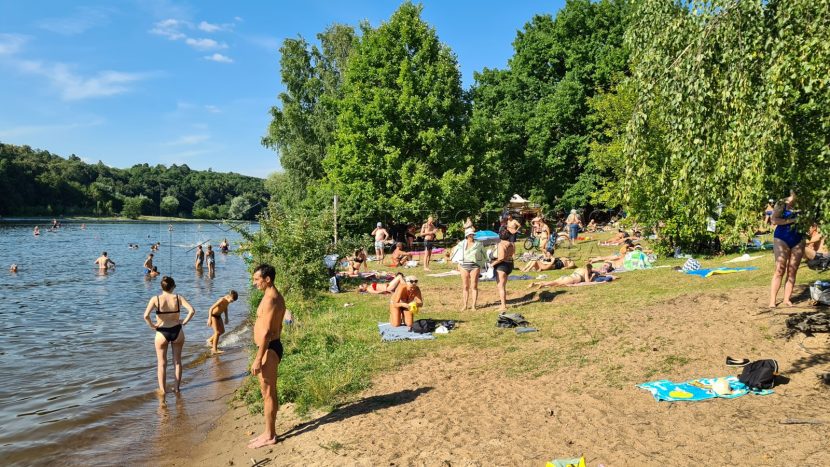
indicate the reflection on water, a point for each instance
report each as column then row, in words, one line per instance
column 78, row 360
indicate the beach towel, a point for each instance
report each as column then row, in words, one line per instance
column 636, row 260
column 454, row 272
column 743, row 258
column 523, row 277
column 400, row 333
column 435, row 251
column 696, row 389
column 712, row 272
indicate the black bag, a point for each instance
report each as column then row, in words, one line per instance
column 820, row 263
column 760, row 374
column 423, row 326
column 511, row 320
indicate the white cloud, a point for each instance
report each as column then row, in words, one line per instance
column 83, row 19
column 217, row 57
column 10, row 44
column 73, row 86
column 207, row 27
column 204, row 44
column 188, row 140
column 169, row 28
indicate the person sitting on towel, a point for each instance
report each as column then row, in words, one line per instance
column 357, row 260
column 583, row 274
column 399, row 256
column 401, row 304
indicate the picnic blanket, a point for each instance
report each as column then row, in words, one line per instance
column 697, row 389
column 435, row 251
column 743, row 258
column 712, row 272
column 453, row 272
column 400, row 333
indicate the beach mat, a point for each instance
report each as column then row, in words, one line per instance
column 717, row 271
column 583, row 284
column 696, row 389
column 400, row 333
column 523, row 277
column 743, row 258
column 453, row 272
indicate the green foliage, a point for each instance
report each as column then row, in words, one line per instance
column 169, row 205
column 397, row 146
column 531, row 123
column 732, row 109
column 135, row 206
column 43, row 183
column 239, row 208
column 303, row 127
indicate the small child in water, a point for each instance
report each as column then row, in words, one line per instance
column 13, row 268
column 215, row 318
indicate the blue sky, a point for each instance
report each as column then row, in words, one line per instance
column 167, row 82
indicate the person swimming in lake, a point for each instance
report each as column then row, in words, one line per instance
column 104, row 262
column 200, row 257
column 224, row 246
column 211, row 260
column 215, row 318
column 36, row 231
column 153, row 273
column 148, row 264
column 13, row 268
column 169, row 329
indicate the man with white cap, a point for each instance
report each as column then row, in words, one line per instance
column 405, row 302
column 381, row 235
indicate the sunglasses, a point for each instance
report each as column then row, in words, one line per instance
column 412, row 282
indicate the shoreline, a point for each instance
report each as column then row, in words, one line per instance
column 113, row 220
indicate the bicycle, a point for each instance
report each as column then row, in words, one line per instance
column 532, row 243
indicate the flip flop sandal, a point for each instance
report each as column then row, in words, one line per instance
column 736, row 362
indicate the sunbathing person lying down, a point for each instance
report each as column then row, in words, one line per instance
column 627, row 245
column 548, row 262
column 380, row 287
column 583, row 274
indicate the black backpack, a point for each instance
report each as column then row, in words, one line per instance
column 760, row 374
column 820, row 263
column 511, row 320
column 423, row 326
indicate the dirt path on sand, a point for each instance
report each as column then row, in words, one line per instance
column 462, row 409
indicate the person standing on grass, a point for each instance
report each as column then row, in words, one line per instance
column 787, row 247
column 503, row 265
column 428, row 231
column 215, row 318
column 473, row 258
column 400, row 306
column 267, row 330
column 574, row 223
column 381, row 235
column 513, row 227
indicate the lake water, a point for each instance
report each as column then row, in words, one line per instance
column 77, row 359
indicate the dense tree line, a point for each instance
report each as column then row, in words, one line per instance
column 41, row 183
column 678, row 112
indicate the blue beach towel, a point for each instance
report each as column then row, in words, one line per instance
column 712, row 272
column 523, row 277
column 696, row 389
column 400, row 333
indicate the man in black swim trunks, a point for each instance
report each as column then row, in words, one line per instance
column 267, row 330
column 428, row 231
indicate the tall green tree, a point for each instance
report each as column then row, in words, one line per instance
column 397, row 149
column 732, row 108
column 302, row 127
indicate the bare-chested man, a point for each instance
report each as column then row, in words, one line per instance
column 381, row 235
column 148, row 264
column 428, row 231
column 215, row 318
column 513, row 227
column 103, row 262
column 267, row 329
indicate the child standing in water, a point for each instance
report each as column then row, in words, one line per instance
column 215, row 318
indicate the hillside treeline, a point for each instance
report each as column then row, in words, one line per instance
column 41, row 183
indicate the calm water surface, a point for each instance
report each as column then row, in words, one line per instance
column 77, row 359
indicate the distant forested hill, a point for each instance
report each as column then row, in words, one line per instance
column 37, row 182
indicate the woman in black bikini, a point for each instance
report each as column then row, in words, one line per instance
column 355, row 263
column 168, row 328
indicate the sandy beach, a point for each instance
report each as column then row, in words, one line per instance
column 462, row 408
